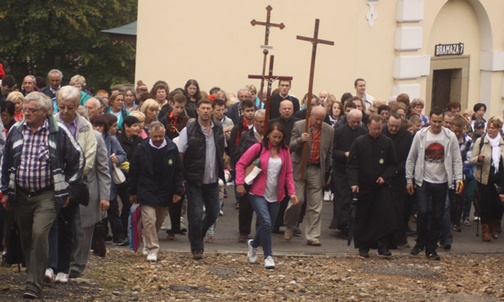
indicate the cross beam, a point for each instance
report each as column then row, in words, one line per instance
column 267, row 26
column 315, row 41
column 270, row 78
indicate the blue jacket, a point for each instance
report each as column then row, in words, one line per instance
column 67, row 159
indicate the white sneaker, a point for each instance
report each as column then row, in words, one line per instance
column 252, row 252
column 145, row 251
column 61, row 278
column 152, row 258
column 49, row 275
column 269, row 263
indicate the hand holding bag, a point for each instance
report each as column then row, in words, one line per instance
column 252, row 170
column 118, row 175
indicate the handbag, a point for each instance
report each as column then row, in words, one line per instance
column 118, row 176
column 252, row 170
column 79, row 192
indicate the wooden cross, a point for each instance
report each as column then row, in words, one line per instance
column 315, row 40
column 266, row 46
column 270, row 78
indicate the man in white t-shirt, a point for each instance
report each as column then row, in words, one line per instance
column 360, row 91
column 433, row 166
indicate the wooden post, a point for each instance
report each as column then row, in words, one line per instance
column 267, row 25
column 270, row 78
column 315, row 41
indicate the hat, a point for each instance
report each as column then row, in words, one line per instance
column 478, row 124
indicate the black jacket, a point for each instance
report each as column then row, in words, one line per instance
column 156, row 190
column 194, row 157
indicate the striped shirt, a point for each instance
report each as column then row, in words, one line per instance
column 34, row 171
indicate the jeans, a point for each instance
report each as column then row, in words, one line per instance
column 468, row 194
column 198, row 196
column 446, row 237
column 266, row 214
column 431, row 200
column 115, row 221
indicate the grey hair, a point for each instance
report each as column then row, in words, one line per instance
column 156, row 125
column 259, row 112
column 32, row 77
column 315, row 108
column 78, row 79
column 43, row 101
column 354, row 112
column 243, row 89
column 56, row 71
column 68, row 93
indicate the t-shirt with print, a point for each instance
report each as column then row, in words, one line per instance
column 434, row 169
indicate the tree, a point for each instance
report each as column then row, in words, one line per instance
column 39, row 35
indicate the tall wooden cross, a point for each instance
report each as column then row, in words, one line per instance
column 270, row 78
column 267, row 25
column 315, row 41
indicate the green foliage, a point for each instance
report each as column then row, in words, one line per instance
column 39, row 35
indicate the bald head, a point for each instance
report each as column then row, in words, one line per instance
column 318, row 110
column 286, row 109
column 317, row 117
column 93, row 106
column 354, row 118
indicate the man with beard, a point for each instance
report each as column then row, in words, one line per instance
column 343, row 139
column 371, row 166
column 403, row 203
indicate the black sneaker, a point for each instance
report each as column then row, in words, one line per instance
column 433, row 256
column 447, row 246
column 364, row 252
column 74, row 274
column 30, row 293
column 384, row 252
column 416, row 250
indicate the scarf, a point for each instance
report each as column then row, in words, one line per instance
column 496, row 150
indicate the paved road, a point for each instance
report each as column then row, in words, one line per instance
column 332, row 243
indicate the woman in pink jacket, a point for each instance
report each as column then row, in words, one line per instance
column 268, row 188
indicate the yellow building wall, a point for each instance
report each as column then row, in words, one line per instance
column 214, row 43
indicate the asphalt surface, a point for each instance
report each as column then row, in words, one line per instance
column 226, row 238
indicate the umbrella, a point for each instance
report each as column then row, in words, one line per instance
column 135, row 227
column 353, row 204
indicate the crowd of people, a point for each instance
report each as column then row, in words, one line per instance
column 74, row 162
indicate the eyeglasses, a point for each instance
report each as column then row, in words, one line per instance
column 63, row 107
column 30, row 110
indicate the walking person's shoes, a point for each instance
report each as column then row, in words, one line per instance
column 61, row 278
column 49, row 275
column 152, row 258
column 384, row 252
column 74, row 274
column 198, row 255
column 433, row 256
column 313, row 242
column 252, row 252
column 31, row 293
column 289, row 232
column 416, row 250
column 122, row 242
column 269, row 263
column 243, row 238
column 364, row 252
